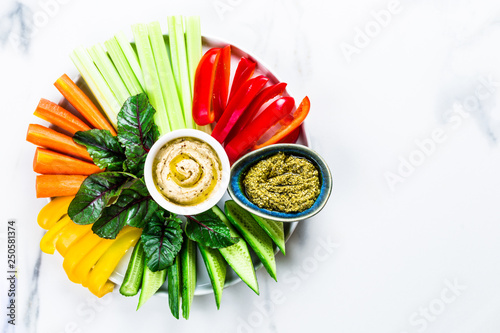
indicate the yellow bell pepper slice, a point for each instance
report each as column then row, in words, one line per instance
column 48, row 241
column 108, row 262
column 53, row 211
column 69, row 234
column 81, row 271
column 107, row 288
column 78, row 251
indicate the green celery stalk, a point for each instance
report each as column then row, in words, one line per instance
column 96, row 83
column 194, row 51
column 167, row 81
column 123, row 66
column 108, row 71
column 173, row 50
column 193, row 46
column 152, row 85
column 178, row 50
column 131, row 56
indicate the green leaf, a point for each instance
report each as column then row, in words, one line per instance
column 209, row 230
column 133, row 207
column 104, row 148
column 162, row 241
column 94, row 195
column 137, row 131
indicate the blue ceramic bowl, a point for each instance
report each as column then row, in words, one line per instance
column 241, row 167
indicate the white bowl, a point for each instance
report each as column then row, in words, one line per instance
column 217, row 193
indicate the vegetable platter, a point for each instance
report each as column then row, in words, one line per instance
column 90, row 160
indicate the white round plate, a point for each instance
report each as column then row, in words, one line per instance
column 203, row 284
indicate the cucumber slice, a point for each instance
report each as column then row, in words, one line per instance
column 151, row 282
column 216, row 268
column 274, row 229
column 188, row 269
column 258, row 239
column 238, row 255
column 133, row 277
column 174, row 288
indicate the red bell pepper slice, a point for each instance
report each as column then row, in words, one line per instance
column 264, row 96
column 203, row 112
column 292, row 137
column 221, row 83
column 243, row 73
column 236, row 106
column 290, row 123
column 249, row 135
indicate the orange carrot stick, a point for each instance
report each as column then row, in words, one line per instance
column 59, row 116
column 49, row 162
column 49, row 138
column 82, row 103
column 58, row 185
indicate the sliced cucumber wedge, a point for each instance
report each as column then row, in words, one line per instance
column 188, row 269
column 174, row 288
column 258, row 239
column 151, row 282
column 274, row 229
column 216, row 268
column 238, row 255
column 133, row 277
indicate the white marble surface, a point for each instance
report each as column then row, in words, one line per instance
column 420, row 255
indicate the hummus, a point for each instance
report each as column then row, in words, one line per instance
column 187, row 171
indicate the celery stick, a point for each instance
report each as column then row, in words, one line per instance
column 183, row 83
column 123, row 67
column 131, row 56
column 108, row 71
column 193, row 45
column 173, row 51
column 167, row 81
column 96, row 83
column 194, row 50
column 151, row 80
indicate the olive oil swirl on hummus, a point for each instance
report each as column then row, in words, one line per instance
column 186, row 171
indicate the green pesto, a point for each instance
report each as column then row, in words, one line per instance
column 283, row 183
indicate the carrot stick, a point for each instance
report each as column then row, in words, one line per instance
column 82, row 103
column 48, row 138
column 49, row 162
column 58, row 185
column 59, row 116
